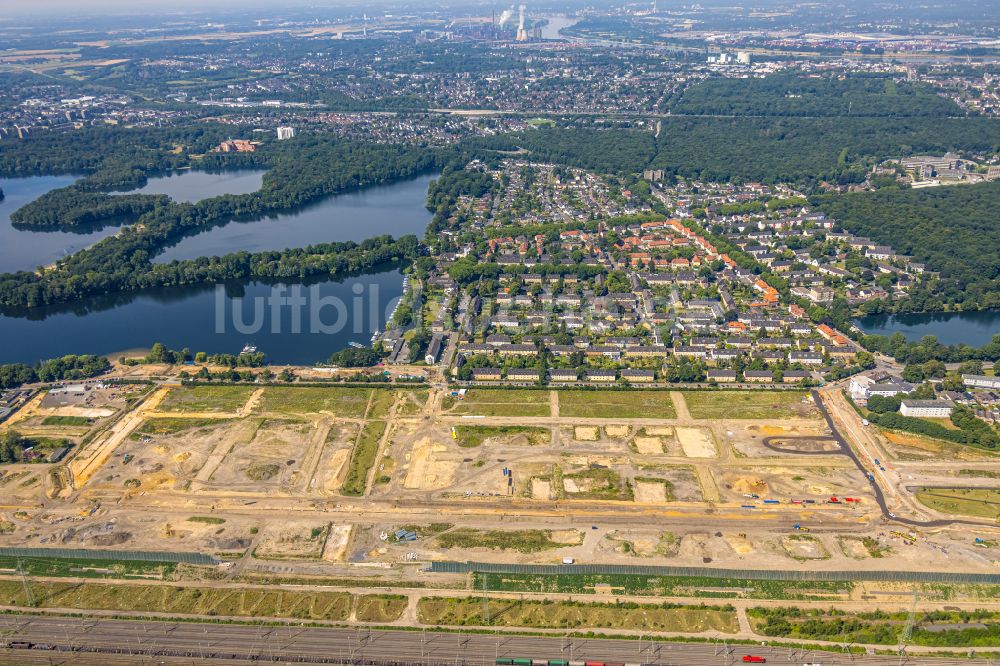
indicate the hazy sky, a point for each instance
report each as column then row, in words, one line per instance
column 16, row 7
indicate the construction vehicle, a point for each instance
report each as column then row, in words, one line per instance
column 753, row 659
column 800, row 528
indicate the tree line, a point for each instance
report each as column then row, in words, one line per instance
column 71, row 368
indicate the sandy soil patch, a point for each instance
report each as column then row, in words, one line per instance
column 617, row 432
column 741, row 545
column 750, row 485
column 586, row 433
column 568, row 537
column 427, row 471
column 771, row 430
column 649, row 446
column 336, row 469
column 291, row 540
column 696, row 442
column 335, row 549
column 804, row 547
column 853, row 548
column 85, row 412
column 650, row 493
column 541, row 489
column 900, row 439
column 659, row 431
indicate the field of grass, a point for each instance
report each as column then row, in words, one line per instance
column 748, row 404
column 207, row 520
column 176, row 599
column 617, row 404
column 412, row 403
column 80, row 568
column 523, row 541
column 567, row 614
column 362, row 458
column 493, row 402
column 664, row 586
column 379, row 607
column 66, row 421
column 348, row 403
column 206, row 398
column 382, row 400
column 473, row 436
column 976, row 502
column 171, row 426
column 979, row 473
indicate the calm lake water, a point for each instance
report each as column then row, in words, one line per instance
column 396, row 209
column 212, row 318
column 27, row 250
column 951, row 328
column 190, row 186
column 300, row 324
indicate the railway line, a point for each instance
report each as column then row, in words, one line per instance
column 30, row 636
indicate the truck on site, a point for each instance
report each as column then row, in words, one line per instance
column 753, row 659
column 800, row 528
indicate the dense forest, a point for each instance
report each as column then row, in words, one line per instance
column 70, row 207
column 605, row 150
column 794, row 94
column 113, row 157
column 953, row 230
column 69, row 367
column 804, row 151
column 807, row 150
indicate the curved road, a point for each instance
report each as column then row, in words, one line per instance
column 847, row 450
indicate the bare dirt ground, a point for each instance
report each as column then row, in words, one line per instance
column 674, row 490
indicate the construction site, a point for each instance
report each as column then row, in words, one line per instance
column 360, row 497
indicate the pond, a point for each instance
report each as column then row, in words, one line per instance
column 951, row 328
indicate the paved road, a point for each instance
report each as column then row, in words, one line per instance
column 847, row 450
column 290, row 644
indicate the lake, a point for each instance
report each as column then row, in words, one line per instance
column 397, row 209
column 190, row 186
column 950, row 328
column 27, row 250
column 297, row 324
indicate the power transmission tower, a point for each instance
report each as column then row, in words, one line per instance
column 908, row 629
column 486, row 601
column 25, row 584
